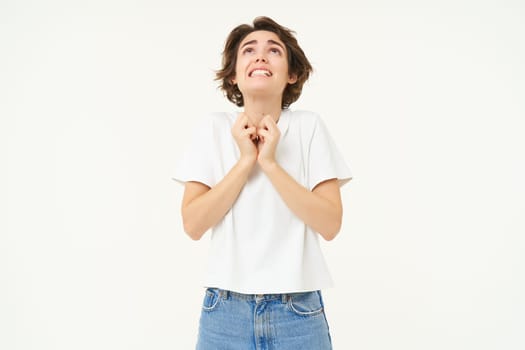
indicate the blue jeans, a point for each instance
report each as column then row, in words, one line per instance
column 234, row 321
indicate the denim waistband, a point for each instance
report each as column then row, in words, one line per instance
column 225, row 294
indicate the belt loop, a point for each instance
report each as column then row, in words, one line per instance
column 225, row 294
column 284, row 298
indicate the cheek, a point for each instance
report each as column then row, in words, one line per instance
column 238, row 71
column 282, row 65
column 241, row 62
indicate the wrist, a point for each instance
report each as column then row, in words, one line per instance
column 247, row 161
column 267, row 164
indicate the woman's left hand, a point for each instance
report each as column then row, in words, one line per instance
column 269, row 135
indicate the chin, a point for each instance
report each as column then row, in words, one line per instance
column 264, row 90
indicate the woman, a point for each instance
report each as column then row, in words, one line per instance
column 266, row 180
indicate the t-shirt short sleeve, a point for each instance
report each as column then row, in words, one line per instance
column 197, row 160
column 325, row 161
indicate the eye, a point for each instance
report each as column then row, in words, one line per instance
column 247, row 50
column 275, row 50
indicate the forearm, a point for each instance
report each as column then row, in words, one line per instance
column 319, row 213
column 208, row 209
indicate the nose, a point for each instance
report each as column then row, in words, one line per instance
column 261, row 58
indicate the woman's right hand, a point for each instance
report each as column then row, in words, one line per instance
column 245, row 134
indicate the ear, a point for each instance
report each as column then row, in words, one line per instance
column 292, row 79
column 232, row 78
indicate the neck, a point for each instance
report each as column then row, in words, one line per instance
column 257, row 108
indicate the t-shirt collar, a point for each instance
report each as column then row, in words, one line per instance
column 284, row 121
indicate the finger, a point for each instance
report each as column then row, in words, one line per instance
column 263, row 135
column 248, row 123
column 274, row 134
column 243, row 124
column 241, row 119
column 267, row 123
column 263, row 132
column 246, row 118
column 249, row 131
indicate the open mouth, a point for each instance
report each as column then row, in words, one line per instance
column 260, row 72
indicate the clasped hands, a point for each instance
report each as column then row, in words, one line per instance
column 256, row 142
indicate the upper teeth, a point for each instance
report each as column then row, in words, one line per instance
column 261, row 72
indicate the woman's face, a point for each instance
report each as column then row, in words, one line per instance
column 262, row 65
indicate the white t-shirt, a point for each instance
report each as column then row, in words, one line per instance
column 260, row 246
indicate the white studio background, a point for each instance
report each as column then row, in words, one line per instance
column 426, row 100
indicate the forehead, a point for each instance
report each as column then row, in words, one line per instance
column 262, row 36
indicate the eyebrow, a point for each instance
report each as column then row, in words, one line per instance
column 270, row 41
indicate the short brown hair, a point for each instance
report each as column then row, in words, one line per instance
column 298, row 64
